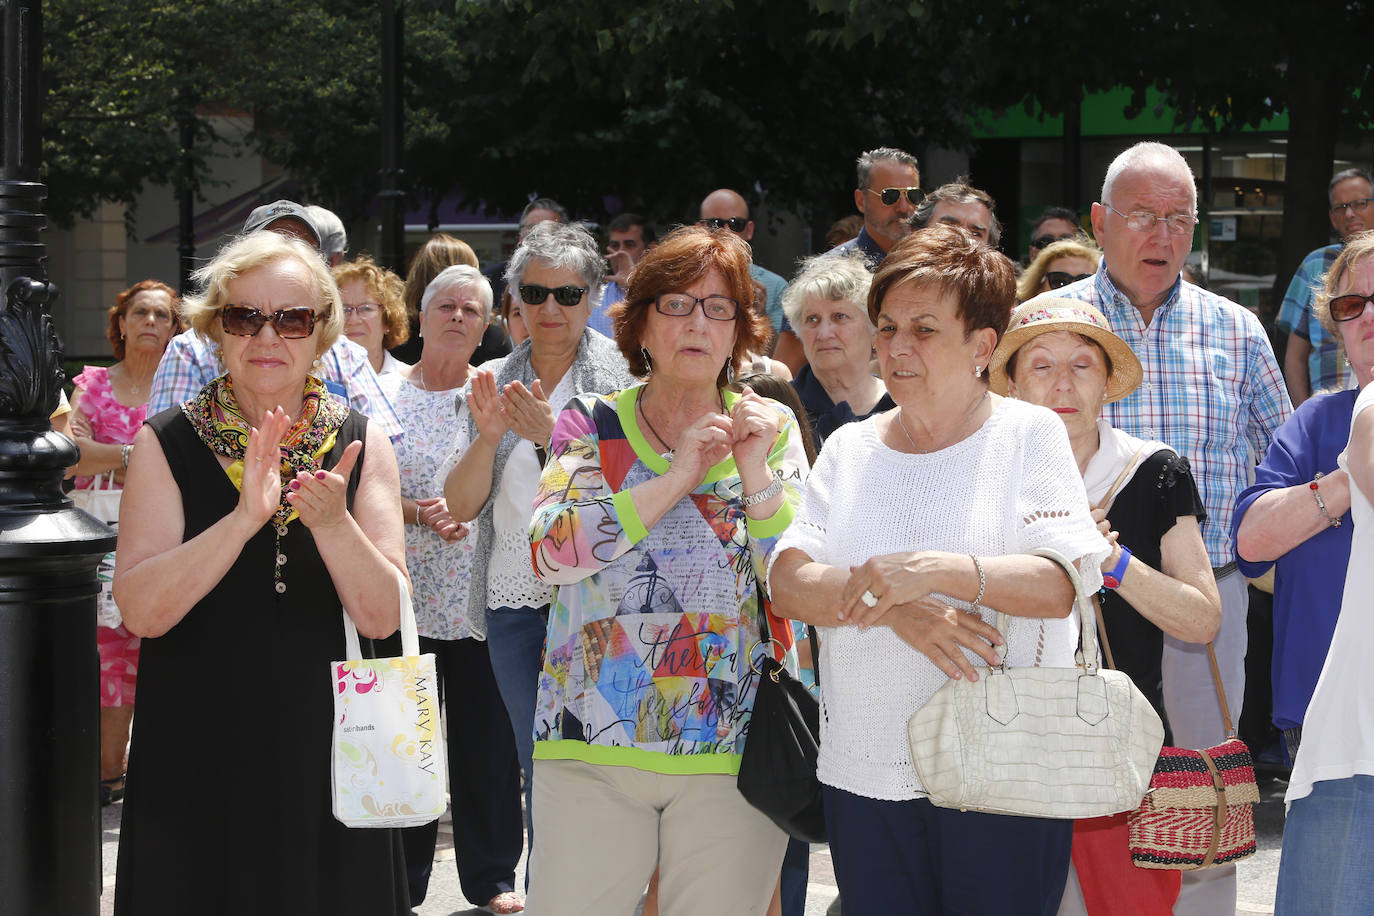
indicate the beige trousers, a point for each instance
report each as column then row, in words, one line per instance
column 603, row 829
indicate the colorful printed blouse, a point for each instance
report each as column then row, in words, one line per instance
column 651, row 631
column 111, row 421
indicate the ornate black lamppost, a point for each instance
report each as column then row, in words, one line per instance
column 49, row 670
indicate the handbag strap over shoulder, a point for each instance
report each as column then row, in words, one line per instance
column 1106, row 501
column 410, row 636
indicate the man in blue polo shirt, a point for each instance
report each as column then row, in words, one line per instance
column 887, row 192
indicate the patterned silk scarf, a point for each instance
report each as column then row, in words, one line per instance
column 221, row 425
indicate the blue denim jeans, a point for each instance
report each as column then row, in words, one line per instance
column 515, row 641
column 1328, row 844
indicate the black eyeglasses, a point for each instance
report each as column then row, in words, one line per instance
column 567, row 296
column 890, row 196
column 736, row 223
column 680, row 305
column 1058, row 278
column 1348, row 308
column 1044, row 241
column 1358, row 206
column 245, row 321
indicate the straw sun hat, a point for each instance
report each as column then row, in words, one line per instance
column 1041, row 316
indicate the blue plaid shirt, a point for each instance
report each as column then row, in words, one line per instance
column 189, row 363
column 1211, row 389
column 1295, row 317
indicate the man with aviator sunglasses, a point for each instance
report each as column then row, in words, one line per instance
column 887, row 192
column 190, row 361
column 1312, row 359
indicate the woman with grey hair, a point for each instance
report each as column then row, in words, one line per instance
column 557, row 273
column 484, row 778
column 827, row 307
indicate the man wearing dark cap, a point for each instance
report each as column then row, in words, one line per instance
column 189, row 361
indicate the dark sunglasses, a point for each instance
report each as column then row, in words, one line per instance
column 534, row 294
column 890, row 196
column 736, row 223
column 245, row 321
column 1044, row 241
column 1058, row 278
column 1348, row 308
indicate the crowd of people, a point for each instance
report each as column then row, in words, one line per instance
column 612, row 476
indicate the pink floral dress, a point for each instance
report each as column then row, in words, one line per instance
column 118, row 423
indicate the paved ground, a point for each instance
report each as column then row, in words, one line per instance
column 1255, row 887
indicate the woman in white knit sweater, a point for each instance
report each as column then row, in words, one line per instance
column 910, row 518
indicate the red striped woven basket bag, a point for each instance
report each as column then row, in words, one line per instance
column 1199, row 810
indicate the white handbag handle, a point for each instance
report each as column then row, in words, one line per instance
column 410, row 637
column 1087, row 630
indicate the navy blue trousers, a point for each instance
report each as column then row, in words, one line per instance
column 911, row 857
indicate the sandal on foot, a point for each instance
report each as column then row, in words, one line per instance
column 505, row 903
column 111, row 790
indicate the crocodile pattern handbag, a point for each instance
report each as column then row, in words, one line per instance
column 1040, row 742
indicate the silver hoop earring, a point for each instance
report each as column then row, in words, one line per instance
column 730, row 369
column 648, row 360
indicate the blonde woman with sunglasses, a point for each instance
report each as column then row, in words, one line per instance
column 250, row 514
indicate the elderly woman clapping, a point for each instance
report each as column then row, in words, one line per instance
column 655, row 515
column 250, row 514
column 1061, row 354
column 557, row 272
column 484, row 776
column 907, row 516
column 827, row 307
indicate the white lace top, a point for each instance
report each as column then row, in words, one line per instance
column 511, row 581
column 1011, row 486
column 440, row 572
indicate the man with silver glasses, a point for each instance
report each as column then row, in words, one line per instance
column 887, row 193
column 1213, row 391
column 1311, row 361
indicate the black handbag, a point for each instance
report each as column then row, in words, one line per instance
column 777, row 772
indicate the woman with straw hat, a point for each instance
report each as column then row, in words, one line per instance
column 1061, row 354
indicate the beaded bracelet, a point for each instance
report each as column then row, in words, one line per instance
column 1321, row 503
column 976, row 606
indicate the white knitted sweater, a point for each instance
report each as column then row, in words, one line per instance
column 1011, row 486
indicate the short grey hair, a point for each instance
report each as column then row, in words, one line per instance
column 959, row 191
column 1147, row 152
column 561, row 246
column 333, row 236
column 865, row 162
column 456, row 276
column 833, row 277
column 1346, row 175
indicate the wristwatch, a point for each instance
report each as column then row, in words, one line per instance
column 767, row 493
column 1113, row 579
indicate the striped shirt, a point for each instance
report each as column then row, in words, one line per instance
column 1211, row 389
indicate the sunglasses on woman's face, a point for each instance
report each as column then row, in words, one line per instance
column 1058, row 278
column 1348, row 308
column 245, row 321
column 567, row 296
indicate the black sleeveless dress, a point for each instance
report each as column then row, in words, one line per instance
column 227, row 809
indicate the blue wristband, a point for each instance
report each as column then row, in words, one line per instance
column 1113, row 579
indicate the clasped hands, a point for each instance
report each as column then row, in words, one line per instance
column 748, row 432
column 321, row 497
column 523, row 411
column 899, row 587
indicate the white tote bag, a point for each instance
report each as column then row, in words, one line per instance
column 101, row 499
column 388, row 748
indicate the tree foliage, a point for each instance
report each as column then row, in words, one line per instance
column 650, row 104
